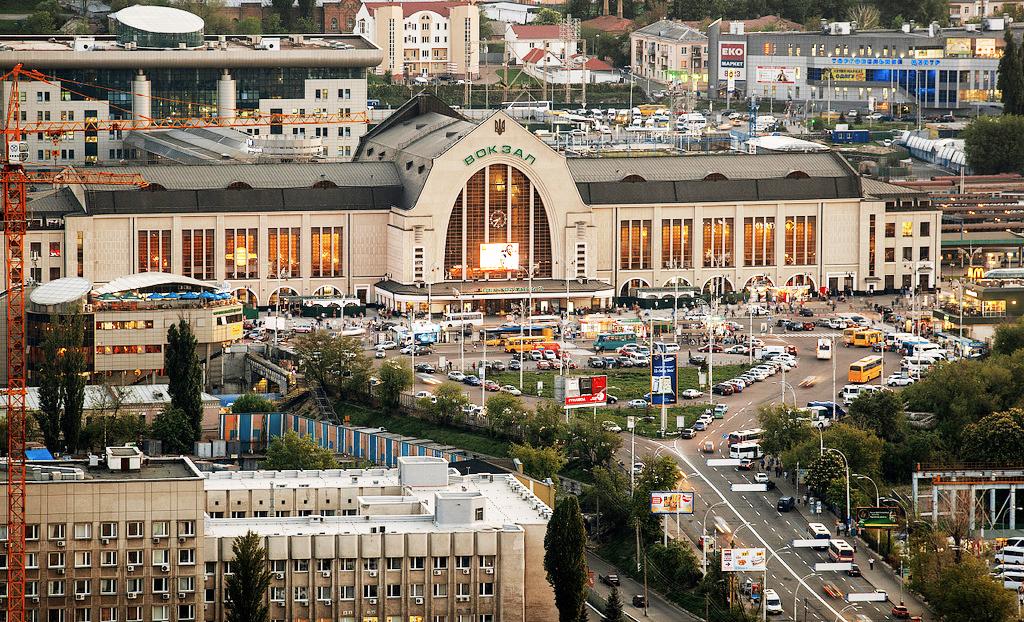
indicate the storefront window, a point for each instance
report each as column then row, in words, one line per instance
column 635, row 250
column 718, row 245
column 498, row 205
column 759, row 241
column 677, row 243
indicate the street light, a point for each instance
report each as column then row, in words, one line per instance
column 846, row 463
column 703, row 534
column 462, row 335
column 859, row 476
column 764, row 581
column 785, row 385
column 844, row 609
column 797, row 589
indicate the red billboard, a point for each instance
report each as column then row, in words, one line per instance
column 733, row 53
column 586, row 390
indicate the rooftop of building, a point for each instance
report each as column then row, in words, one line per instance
column 409, row 8
column 80, row 470
column 527, row 31
column 100, row 397
column 920, row 33
column 163, row 19
column 609, row 23
column 673, row 31
column 765, row 23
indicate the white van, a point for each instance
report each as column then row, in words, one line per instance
column 771, row 351
column 772, row 603
column 852, row 391
column 917, row 364
column 1010, row 555
column 921, row 348
column 895, row 340
column 936, row 355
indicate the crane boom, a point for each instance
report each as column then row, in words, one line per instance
column 261, row 120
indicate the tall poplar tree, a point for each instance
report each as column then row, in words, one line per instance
column 247, row 585
column 185, row 376
column 1011, row 77
column 72, row 381
column 565, row 560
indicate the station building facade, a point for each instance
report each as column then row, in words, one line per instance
column 439, row 210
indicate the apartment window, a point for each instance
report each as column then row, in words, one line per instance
column 197, row 253
column 370, row 564
column 277, row 593
column 325, row 251
column 276, row 565
column 186, row 612
column 31, row 560
column 186, row 584
column 283, row 251
column 108, row 614
column 155, row 250
column 394, row 590
column 300, row 565
column 3, row 561
column 135, row 558
column 55, row 615
column 924, row 253
column 108, row 558
column 759, row 241
column 801, row 239
column 416, row 590
column 348, row 563
column 133, row 586
column 301, row 592
column 394, row 563
column 718, row 244
column 161, row 557
column 890, row 229
column 440, row 563
column 161, row 529
column 926, row 229
column 160, row 585
column 890, row 255
column 136, row 530
column 55, row 588
column 463, row 589
column 485, row 617
column 32, row 588
column 440, row 590
column 369, row 591
column 187, row 527
column 81, row 615
column 186, row 557
column 323, row 564
column 133, row 613
column 908, row 253
column 83, row 531
column 676, row 243
column 417, row 563
column 463, row 561
column 242, row 258
column 635, row 248
column 160, row 613
column 323, row 593
column 486, row 561
column 238, row 514
column 487, row 589
column 83, row 559
column 57, row 531
column 908, row 229
column 32, row 532
column 83, row 586
column 346, row 592
column 55, row 560
column 108, row 530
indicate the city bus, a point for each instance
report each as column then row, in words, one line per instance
column 840, row 551
column 465, row 318
column 824, row 349
column 613, row 341
column 523, row 343
column 499, row 335
column 819, row 532
column 745, row 436
column 751, row 451
column 865, row 369
column 867, row 337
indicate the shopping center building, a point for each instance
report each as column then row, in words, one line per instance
column 486, row 216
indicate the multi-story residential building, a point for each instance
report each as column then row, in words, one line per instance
column 932, row 69
column 423, row 38
column 963, row 11
column 149, row 540
column 520, row 40
column 331, row 16
column 112, row 77
column 670, row 51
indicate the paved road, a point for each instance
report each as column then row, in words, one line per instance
column 657, row 609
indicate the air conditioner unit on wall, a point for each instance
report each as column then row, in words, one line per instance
column 437, row 573
column 488, row 570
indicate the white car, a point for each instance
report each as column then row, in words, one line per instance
column 550, row 355
column 456, row 375
column 387, row 345
column 422, row 394
column 536, row 355
column 379, row 353
column 611, row 426
column 899, row 380
column 691, row 394
column 511, row 390
column 761, row 478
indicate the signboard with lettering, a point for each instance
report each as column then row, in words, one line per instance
column 745, row 560
column 848, row 75
column 663, row 379
column 958, row 47
column 776, row 75
column 731, row 55
column 581, row 391
column 672, row 502
column 878, row 518
column 985, row 48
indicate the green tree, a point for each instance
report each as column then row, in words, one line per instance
column 613, row 607
column 173, row 428
column 992, row 145
column 283, row 9
column 447, row 404
column 677, row 563
column 40, row 23
column 657, row 474
column 252, row 403
column 921, row 446
column 822, row 471
column 251, row 26
column 114, row 429
column 185, row 378
column 1010, row 80
column 72, row 390
column 396, row 376
column 880, row 412
column 486, row 28
column 1009, row 337
column 506, row 412
column 272, row 24
column 294, row 452
column 965, row 592
column 247, row 585
column 591, row 444
column 49, row 414
column 580, row 9
column 782, row 429
column 996, row 438
column 565, row 561
column 545, row 427
column 339, row 365
column 539, row 462
column 609, row 498
column 547, row 17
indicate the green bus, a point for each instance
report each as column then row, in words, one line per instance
column 613, row 341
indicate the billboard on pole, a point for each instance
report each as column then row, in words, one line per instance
column 878, row 518
column 580, row 391
column 746, row 560
column 663, row 379
column 672, row 502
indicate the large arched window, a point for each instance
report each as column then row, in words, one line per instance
column 498, row 205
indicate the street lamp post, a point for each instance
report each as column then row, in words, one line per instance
column 846, row 463
column 797, row 589
column 764, row 580
column 462, row 334
column 844, row 609
column 877, row 498
column 785, row 385
column 703, row 535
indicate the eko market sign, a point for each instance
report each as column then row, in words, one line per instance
column 495, row 150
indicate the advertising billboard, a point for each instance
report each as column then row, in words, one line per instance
column 504, row 256
column 958, row 47
column 663, row 379
column 848, row 75
column 878, row 518
column 732, row 55
column 985, row 48
column 672, row 502
column 776, row 75
column 580, row 391
column 745, row 560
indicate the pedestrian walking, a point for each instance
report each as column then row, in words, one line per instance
column 871, row 563
column 854, row 546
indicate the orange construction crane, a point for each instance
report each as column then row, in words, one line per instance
column 15, row 224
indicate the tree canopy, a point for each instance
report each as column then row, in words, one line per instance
column 992, row 145
column 185, row 378
column 252, row 403
column 337, row 364
column 539, row 462
column 1010, row 79
column 396, row 376
column 565, row 560
column 1009, row 337
column 294, row 452
column 246, row 586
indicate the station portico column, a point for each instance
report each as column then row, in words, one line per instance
column 1013, row 506
column 226, row 95
column 141, row 101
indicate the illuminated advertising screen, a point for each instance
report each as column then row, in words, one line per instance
column 958, row 47
column 848, row 75
column 504, row 256
column 580, row 391
column 777, row 75
column 672, row 502
column 663, row 379
column 985, row 48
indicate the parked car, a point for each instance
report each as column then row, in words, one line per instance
column 511, row 390
column 722, row 389
column 379, row 354
column 610, row 579
column 472, row 381
column 611, row 426
column 611, row 399
column 491, row 385
column 637, row 404
column 596, row 362
column 387, row 345
column 805, row 312
column 714, row 348
column 639, row 600
column 688, row 433
column 497, row 366
column 457, row 376
column 425, row 368
column 691, row 394
column 700, row 426
column 514, row 365
column 543, row 365
column 737, row 349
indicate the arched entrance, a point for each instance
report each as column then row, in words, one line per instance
column 283, row 291
column 327, row 290
column 682, row 281
column 717, row 285
column 801, row 280
column 246, row 296
column 624, row 291
column 498, row 228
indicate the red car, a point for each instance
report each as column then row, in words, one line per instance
column 491, row 385
column 543, row 365
column 900, row 612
